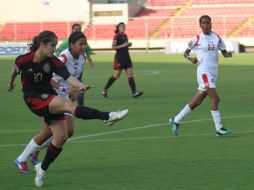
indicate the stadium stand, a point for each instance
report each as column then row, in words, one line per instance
column 138, row 27
column 26, row 31
column 164, row 2
column 157, row 19
column 225, row 20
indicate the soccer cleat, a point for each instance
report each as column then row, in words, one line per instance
column 174, row 125
column 116, row 116
column 40, row 175
column 137, row 94
column 23, row 168
column 34, row 159
column 223, row 131
column 105, row 93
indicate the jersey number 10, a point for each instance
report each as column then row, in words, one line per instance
column 37, row 77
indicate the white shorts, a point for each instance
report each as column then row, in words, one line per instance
column 63, row 95
column 206, row 80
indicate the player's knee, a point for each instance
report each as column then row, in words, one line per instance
column 62, row 138
column 116, row 76
column 70, row 106
column 70, row 133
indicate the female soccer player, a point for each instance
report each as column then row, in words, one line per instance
column 36, row 69
column 122, row 61
column 73, row 57
column 206, row 46
column 64, row 45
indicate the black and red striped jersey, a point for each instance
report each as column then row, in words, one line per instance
column 119, row 39
column 36, row 76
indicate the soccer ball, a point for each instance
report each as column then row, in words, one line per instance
column 45, row 2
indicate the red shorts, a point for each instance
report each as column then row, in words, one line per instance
column 39, row 106
column 122, row 63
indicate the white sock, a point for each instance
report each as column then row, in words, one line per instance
column 31, row 148
column 179, row 117
column 47, row 142
column 216, row 119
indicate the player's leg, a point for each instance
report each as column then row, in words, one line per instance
column 111, row 80
column 59, row 132
column 32, row 147
column 70, row 125
column 132, row 84
column 220, row 130
column 61, row 105
column 70, row 131
column 175, row 121
column 80, row 95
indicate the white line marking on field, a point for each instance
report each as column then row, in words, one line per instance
column 153, row 125
column 72, row 140
column 150, row 138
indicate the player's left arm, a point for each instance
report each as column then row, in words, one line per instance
column 226, row 54
column 222, row 47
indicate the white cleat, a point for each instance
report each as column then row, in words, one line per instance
column 116, row 116
column 40, row 175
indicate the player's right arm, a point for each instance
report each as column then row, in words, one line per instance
column 14, row 74
column 186, row 54
column 116, row 47
column 191, row 45
column 60, row 69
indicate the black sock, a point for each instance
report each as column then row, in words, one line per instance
column 51, row 155
column 111, row 80
column 84, row 112
column 80, row 98
column 132, row 84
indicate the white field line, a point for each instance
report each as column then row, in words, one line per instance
column 153, row 125
column 72, row 140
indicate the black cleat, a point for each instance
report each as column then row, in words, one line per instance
column 137, row 94
column 105, row 93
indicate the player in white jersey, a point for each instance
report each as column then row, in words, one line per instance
column 206, row 46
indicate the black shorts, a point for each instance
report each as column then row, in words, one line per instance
column 38, row 104
column 121, row 63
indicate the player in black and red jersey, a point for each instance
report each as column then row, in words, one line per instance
column 122, row 61
column 36, row 69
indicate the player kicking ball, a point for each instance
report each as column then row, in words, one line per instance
column 206, row 46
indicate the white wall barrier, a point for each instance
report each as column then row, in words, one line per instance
column 7, row 50
column 174, row 46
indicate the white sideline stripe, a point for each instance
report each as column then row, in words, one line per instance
column 149, row 126
column 142, row 127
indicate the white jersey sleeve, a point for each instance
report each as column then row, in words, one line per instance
column 193, row 43
column 221, row 44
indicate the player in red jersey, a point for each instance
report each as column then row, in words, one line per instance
column 36, row 69
column 122, row 61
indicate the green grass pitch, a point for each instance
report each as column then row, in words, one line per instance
column 139, row 153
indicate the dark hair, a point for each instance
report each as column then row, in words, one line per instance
column 75, row 36
column 117, row 27
column 74, row 25
column 45, row 37
column 204, row 16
